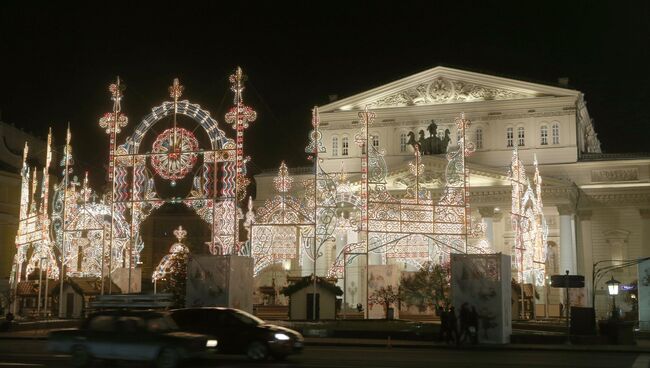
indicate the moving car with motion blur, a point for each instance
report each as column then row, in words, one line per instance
column 239, row 332
column 130, row 335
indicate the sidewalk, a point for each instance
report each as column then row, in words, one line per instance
column 643, row 346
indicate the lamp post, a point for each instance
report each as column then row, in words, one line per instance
column 612, row 289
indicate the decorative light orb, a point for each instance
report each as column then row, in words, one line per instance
column 174, row 153
column 612, row 286
column 173, row 183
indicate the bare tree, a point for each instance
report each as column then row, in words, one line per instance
column 385, row 296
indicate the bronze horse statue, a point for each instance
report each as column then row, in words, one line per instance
column 431, row 145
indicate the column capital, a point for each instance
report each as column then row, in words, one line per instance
column 585, row 215
column 565, row 209
column 645, row 213
column 486, row 211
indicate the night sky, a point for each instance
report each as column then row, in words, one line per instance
column 58, row 59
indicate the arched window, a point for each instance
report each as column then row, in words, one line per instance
column 375, row 140
column 543, row 135
column 335, row 146
column 555, row 133
column 402, row 142
column 345, row 145
column 521, row 137
column 510, row 137
column 479, row 138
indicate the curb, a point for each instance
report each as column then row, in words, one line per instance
column 577, row 348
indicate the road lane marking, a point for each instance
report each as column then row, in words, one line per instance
column 642, row 361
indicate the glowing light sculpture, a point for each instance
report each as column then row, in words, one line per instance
column 167, row 262
column 528, row 223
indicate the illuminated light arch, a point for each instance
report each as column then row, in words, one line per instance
column 218, row 139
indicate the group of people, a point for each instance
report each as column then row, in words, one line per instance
column 467, row 320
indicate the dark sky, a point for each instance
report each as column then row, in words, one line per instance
column 58, row 59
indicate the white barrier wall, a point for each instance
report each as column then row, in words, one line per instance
column 483, row 281
column 221, row 281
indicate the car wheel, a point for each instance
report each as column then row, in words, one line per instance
column 80, row 356
column 257, row 351
column 167, row 358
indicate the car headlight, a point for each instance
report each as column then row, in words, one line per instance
column 281, row 336
column 211, row 343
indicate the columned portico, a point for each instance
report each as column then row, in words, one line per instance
column 567, row 240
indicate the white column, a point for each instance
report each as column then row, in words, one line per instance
column 567, row 240
column 487, row 213
column 645, row 231
column 586, row 260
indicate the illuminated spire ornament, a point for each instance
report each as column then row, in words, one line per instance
column 283, row 181
column 239, row 116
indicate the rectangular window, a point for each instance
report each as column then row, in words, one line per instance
column 402, row 142
column 335, row 146
column 344, row 146
column 510, row 137
column 555, row 131
column 479, row 138
column 521, row 139
column 543, row 135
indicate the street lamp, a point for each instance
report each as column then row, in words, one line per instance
column 612, row 289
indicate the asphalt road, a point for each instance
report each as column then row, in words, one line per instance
column 30, row 353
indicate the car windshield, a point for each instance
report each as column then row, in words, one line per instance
column 161, row 324
column 247, row 318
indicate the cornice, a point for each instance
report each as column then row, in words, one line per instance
column 471, row 109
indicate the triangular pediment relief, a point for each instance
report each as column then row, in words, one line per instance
column 441, row 85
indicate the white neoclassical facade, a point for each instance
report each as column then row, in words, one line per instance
column 597, row 205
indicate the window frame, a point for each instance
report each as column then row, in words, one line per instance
column 555, row 133
column 521, row 136
column 510, row 137
column 543, row 135
column 335, row 146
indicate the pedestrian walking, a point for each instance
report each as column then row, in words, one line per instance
column 444, row 324
column 473, row 325
column 464, row 323
column 452, row 326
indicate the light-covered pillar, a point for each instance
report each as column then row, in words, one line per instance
column 487, row 213
column 567, row 240
column 586, row 259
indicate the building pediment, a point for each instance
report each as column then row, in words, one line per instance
column 441, row 85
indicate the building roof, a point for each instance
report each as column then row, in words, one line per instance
column 86, row 285
column 300, row 283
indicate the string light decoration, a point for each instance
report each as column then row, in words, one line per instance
column 280, row 226
column 177, row 249
column 414, row 229
column 213, row 191
column 239, row 116
column 175, row 153
column 528, row 223
column 33, row 241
